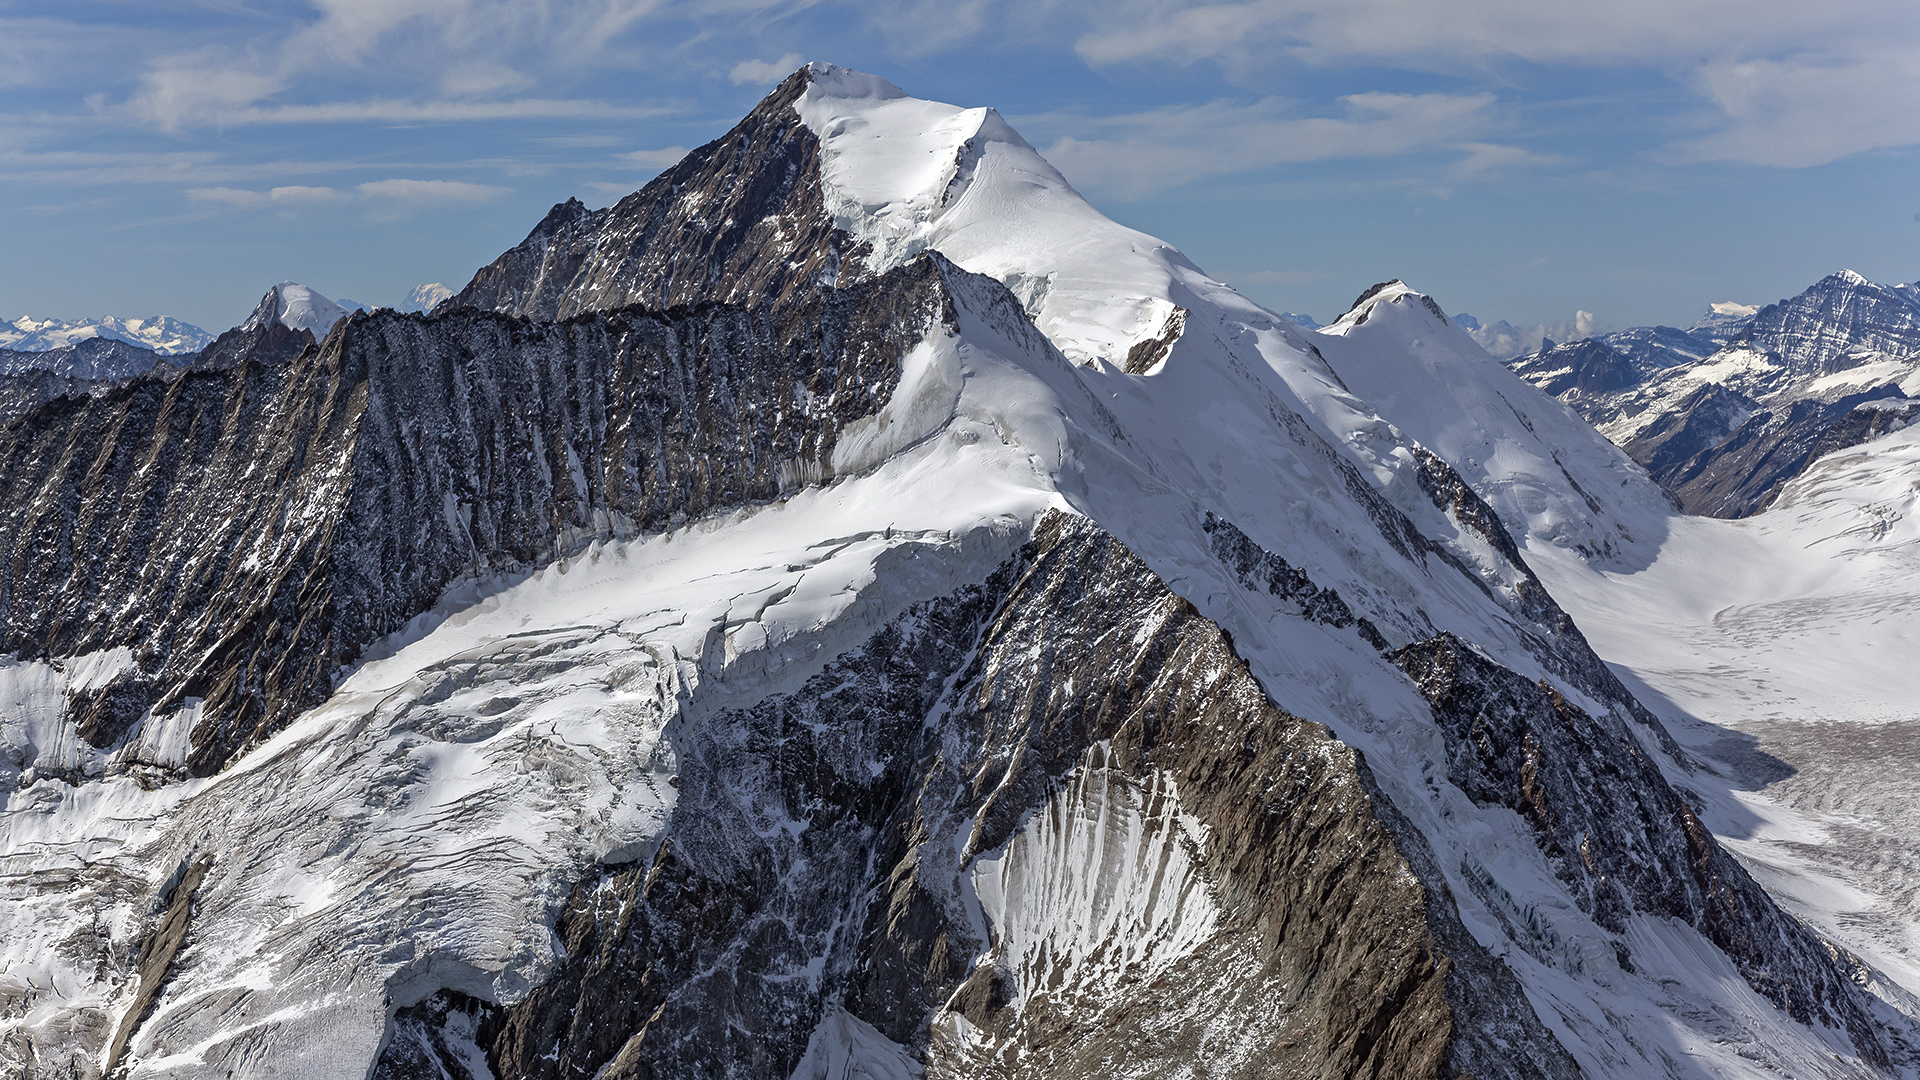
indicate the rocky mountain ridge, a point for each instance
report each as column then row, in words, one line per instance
column 734, row 638
column 1725, row 428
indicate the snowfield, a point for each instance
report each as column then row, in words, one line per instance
column 420, row 829
column 1783, row 647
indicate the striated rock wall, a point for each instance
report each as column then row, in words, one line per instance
column 248, row 530
column 1617, row 835
column 872, row 854
column 741, row 220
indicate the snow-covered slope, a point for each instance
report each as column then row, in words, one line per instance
column 962, row 652
column 161, row 333
column 1546, row 471
column 299, row 308
column 1782, row 645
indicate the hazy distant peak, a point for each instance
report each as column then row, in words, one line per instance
column 424, row 297
column 297, row 307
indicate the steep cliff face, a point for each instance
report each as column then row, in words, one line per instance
column 1053, row 828
column 740, row 220
column 247, row 531
column 1617, row 834
column 1836, row 324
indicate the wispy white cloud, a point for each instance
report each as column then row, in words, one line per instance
column 431, row 192
column 1782, row 82
column 1152, row 151
column 381, row 199
column 663, row 158
column 392, row 111
column 752, row 72
column 1809, row 110
column 302, row 194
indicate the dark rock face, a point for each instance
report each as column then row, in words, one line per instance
column 249, row 530
column 436, row 1040
column 262, row 339
column 1317, row 966
column 1589, row 366
column 741, row 220
column 1827, row 328
column 1651, row 348
column 1258, row 568
column 157, row 953
column 92, row 358
column 1741, row 473
column 1617, row 835
column 25, row 391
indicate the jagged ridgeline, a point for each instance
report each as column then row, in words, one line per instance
column 1007, row 803
column 247, row 530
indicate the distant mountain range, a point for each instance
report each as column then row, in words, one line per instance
column 1725, row 413
column 163, row 334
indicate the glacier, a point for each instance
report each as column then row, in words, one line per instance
column 1019, row 719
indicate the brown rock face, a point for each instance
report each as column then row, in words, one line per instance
column 1070, row 694
column 741, row 220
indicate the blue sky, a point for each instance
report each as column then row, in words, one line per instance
column 1519, row 159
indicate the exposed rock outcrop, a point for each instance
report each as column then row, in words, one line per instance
column 980, row 747
column 248, row 530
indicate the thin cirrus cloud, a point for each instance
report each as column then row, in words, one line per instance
column 384, row 198
column 1140, row 154
column 761, row 72
column 1776, row 82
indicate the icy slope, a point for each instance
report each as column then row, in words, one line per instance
column 1546, row 471
column 1797, row 629
column 837, row 658
column 906, row 175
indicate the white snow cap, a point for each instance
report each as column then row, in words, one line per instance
column 295, row 306
column 424, row 297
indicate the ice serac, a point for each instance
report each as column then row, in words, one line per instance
column 968, row 641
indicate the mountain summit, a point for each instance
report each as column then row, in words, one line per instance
column 851, row 609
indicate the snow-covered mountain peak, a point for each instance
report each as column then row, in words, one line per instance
column 425, row 297
column 161, row 333
column 832, row 80
column 906, row 175
column 1549, row 475
column 1388, row 292
column 296, row 307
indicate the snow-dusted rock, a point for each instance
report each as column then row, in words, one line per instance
column 964, row 639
